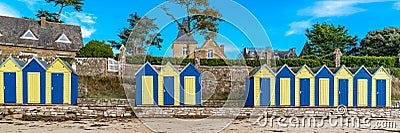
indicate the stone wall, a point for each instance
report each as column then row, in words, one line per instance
column 13, row 50
column 91, row 66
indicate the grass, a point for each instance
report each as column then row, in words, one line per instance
column 102, row 87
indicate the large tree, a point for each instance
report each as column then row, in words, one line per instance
column 325, row 38
column 200, row 17
column 51, row 17
column 139, row 35
column 96, row 48
column 381, row 42
column 77, row 4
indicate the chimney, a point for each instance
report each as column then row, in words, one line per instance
column 43, row 22
column 222, row 48
column 245, row 51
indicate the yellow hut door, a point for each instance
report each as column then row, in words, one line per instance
column 324, row 92
column 33, row 87
column 190, row 90
column 147, row 90
column 285, row 91
column 362, row 92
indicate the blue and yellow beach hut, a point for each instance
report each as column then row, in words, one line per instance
column 190, row 93
column 362, row 80
column 259, row 86
column 61, row 83
column 381, row 87
column 285, row 87
column 324, row 82
column 34, row 82
column 11, row 81
column 146, row 85
column 168, row 86
column 343, row 88
column 304, row 84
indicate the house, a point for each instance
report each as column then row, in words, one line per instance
column 26, row 37
column 185, row 45
column 259, row 53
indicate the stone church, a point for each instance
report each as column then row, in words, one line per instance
column 185, row 45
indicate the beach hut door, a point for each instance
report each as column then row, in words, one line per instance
column 381, row 92
column 304, row 92
column 10, row 87
column 265, row 90
column 343, row 92
column 169, row 90
column 57, row 88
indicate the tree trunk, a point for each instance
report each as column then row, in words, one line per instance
column 59, row 13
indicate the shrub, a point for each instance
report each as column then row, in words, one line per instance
column 97, row 49
column 369, row 61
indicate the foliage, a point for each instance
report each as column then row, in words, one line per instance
column 369, row 61
column 306, row 51
column 77, row 4
column 96, row 48
column 139, row 35
column 50, row 17
column 102, row 87
column 200, row 17
column 325, row 38
column 381, row 43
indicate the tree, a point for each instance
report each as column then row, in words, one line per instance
column 139, row 35
column 325, row 38
column 96, row 48
column 306, row 50
column 200, row 18
column 51, row 17
column 77, row 4
column 381, row 42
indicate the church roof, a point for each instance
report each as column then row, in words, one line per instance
column 182, row 37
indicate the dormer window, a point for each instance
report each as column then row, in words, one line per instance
column 29, row 35
column 63, row 39
column 1, row 34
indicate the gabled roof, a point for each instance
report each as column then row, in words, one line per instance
column 378, row 69
column 19, row 63
column 69, row 66
column 169, row 64
column 336, row 70
column 296, row 70
column 213, row 42
column 320, row 69
column 287, row 68
column 64, row 63
column 184, row 38
column 13, row 28
column 147, row 63
column 41, row 63
column 190, row 65
column 258, row 69
column 359, row 69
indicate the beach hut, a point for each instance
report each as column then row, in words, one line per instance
column 259, row 86
column 146, row 85
column 34, row 82
column 304, row 86
column 324, row 80
column 190, row 93
column 168, row 86
column 61, row 83
column 11, row 81
column 284, row 87
column 343, row 87
column 381, row 87
column 362, row 86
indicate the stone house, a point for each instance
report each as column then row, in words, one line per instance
column 257, row 53
column 26, row 37
column 185, row 45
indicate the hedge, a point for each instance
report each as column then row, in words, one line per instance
column 369, row 61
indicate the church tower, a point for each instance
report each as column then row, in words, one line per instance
column 184, row 44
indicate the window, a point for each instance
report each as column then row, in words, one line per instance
column 210, row 54
column 63, row 39
column 29, row 35
column 1, row 34
column 184, row 51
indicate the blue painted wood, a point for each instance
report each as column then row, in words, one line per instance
column 343, row 92
column 362, row 74
column 168, row 90
column 57, row 92
column 34, row 66
column 190, row 70
column 381, row 93
column 74, row 88
column 146, row 70
column 285, row 73
column 304, row 92
column 324, row 73
column 265, row 84
column 249, row 92
column 10, row 90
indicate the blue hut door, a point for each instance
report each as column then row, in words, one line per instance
column 10, row 91
column 304, row 92
column 380, row 92
column 343, row 91
column 57, row 88
column 265, row 91
column 169, row 90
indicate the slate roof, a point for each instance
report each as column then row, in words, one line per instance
column 13, row 28
column 182, row 37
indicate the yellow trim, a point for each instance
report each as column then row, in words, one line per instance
column 264, row 72
column 324, row 92
column 33, row 87
column 168, row 70
column 67, row 88
column 58, row 66
column 285, row 91
column 190, row 90
column 343, row 74
column 362, row 95
column 381, row 75
column 147, row 90
column 304, row 73
column 2, row 86
column 11, row 66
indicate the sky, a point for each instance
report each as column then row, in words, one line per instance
column 280, row 24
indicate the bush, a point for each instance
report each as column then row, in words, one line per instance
column 97, row 49
column 369, row 61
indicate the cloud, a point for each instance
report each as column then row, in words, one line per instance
column 85, row 20
column 30, row 3
column 396, row 5
column 298, row 27
column 6, row 10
